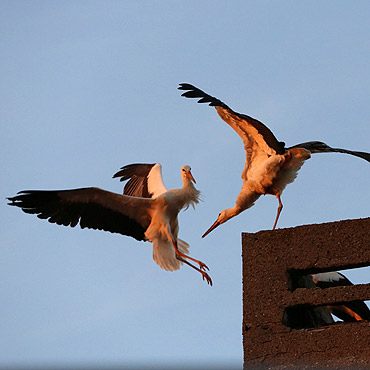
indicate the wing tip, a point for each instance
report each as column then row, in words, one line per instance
column 127, row 171
column 194, row 92
column 186, row 86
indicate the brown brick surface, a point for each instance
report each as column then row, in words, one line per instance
column 269, row 257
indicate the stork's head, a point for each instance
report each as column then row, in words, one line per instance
column 220, row 220
column 223, row 216
column 186, row 173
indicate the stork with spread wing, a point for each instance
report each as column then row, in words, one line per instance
column 269, row 165
column 146, row 211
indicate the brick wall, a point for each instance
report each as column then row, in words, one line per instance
column 273, row 261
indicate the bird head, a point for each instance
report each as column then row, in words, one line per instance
column 222, row 217
column 186, row 173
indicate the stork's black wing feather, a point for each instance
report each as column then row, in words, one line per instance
column 145, row 180
column 137, row 174
column 92, row 208
column 231, row 117
column 320, row 147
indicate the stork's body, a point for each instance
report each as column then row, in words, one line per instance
column 136, row 213
column 348, row 311
column 269, row 165
column 267, row 175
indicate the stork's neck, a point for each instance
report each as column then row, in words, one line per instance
column 188, row 193
column 230, row 213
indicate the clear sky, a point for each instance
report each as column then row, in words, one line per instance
column 89, row 86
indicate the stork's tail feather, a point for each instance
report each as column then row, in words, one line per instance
column 183, row 246
column 165, row 257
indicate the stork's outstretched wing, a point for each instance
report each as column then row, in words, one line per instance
column 145, row 180
column 93, row 208
column 320, row 147
column 253, row 132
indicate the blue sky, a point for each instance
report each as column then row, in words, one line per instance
column 89, row 86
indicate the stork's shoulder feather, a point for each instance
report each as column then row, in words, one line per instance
column 145, row 180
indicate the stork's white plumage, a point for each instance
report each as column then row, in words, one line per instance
column 145, row 181
column 146, row 211
column 349, row 311
column 269, row 165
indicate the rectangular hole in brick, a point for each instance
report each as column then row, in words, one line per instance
column 307, row 316
column 349, row 276
column 355, row 276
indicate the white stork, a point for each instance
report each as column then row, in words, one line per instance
column 269, row 165
column 146, row 211
column 348, row 311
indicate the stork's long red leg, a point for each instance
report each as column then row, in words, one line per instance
column 202, row 265
column 204, row 274
column 278, row 210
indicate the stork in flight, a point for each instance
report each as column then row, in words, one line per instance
column 269, row 165
column 146, row 211
column 348, row 311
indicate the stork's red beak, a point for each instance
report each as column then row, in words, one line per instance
column 190, row 176
column 211, row 228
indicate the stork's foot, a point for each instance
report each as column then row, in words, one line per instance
column 203, row 266
column 207, row 277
